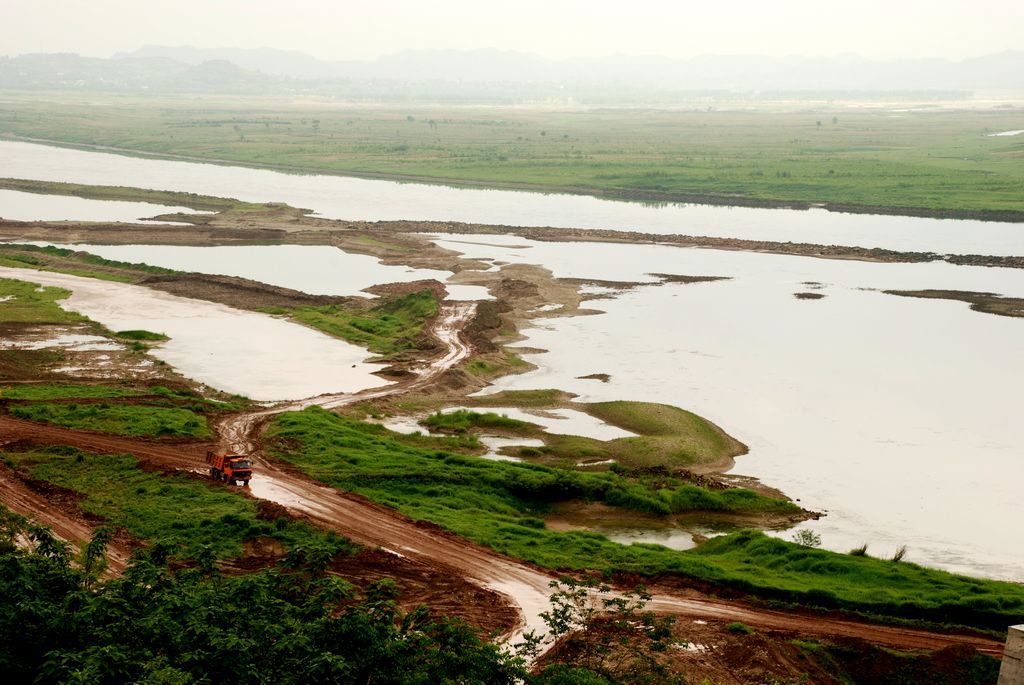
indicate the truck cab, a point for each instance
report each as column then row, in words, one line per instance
column 230, row 468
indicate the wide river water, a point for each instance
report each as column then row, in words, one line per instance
column 342, row 197
column 20, row 206
column 898, row 417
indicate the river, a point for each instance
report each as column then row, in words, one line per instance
column 340, row 197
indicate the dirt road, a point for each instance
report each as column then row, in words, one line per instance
column 238, row 433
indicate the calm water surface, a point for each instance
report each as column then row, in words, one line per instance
column 229, row 349
column 313, row 269
column 18, row 206
column 350, row 198
column 899, row 417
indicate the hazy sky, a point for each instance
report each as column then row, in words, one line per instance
column 358, row 29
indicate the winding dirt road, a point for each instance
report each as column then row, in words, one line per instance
column 378, row 526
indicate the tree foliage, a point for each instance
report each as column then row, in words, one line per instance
column 602, row 637
column 293, row 624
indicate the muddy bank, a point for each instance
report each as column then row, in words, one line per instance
column 276, row 224
column 238, row 292
column 988, row 303
column 874, row 254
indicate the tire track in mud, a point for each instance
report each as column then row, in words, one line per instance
column 367, row 523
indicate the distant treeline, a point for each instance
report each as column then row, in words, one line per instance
column 442, row 76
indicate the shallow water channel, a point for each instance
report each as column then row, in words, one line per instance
column 313, row 269
column 341, row 197
column 20, row 206
column 229, row 349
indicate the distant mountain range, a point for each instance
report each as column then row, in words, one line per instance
column 514, row 76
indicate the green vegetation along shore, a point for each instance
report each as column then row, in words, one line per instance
column 391, row 327
column 921, row 161
column 502, row 505
column 190, row 513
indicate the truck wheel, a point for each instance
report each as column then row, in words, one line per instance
column 213, row 472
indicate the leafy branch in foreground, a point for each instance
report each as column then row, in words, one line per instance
column 602, row 637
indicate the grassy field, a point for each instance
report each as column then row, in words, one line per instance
column 152, row 412
column 62, row 391
column 393, row 326
column 667, row 436
column 933, row 159
column 129, row 419
column 65, row 261
column 195, row 516
column 502, row 504
column 405, row 472
column 29, row 303
column 462, row 421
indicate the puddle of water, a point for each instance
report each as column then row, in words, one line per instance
column 495, row 443
column 20, row 206
column 592, row 464
column 233, row 350
column 350, row 198
column 668, row 537
column 313, row 269
column 406, row 425
column 72, row 342
column 558, row 421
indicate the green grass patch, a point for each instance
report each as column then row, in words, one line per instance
column 462, row 421
column 537, row 399
column 766, row 565
column 148, row 336
column 501, row 505
column 495, row 364
column 63, row 260
column 118, row 419
column 61, row 391
column 739, row 628
column 667, row 437
column 25, row 302
column 387, row 328
column 195, row 517
column 198, row 403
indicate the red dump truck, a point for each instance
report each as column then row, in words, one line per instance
column 230, row 468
